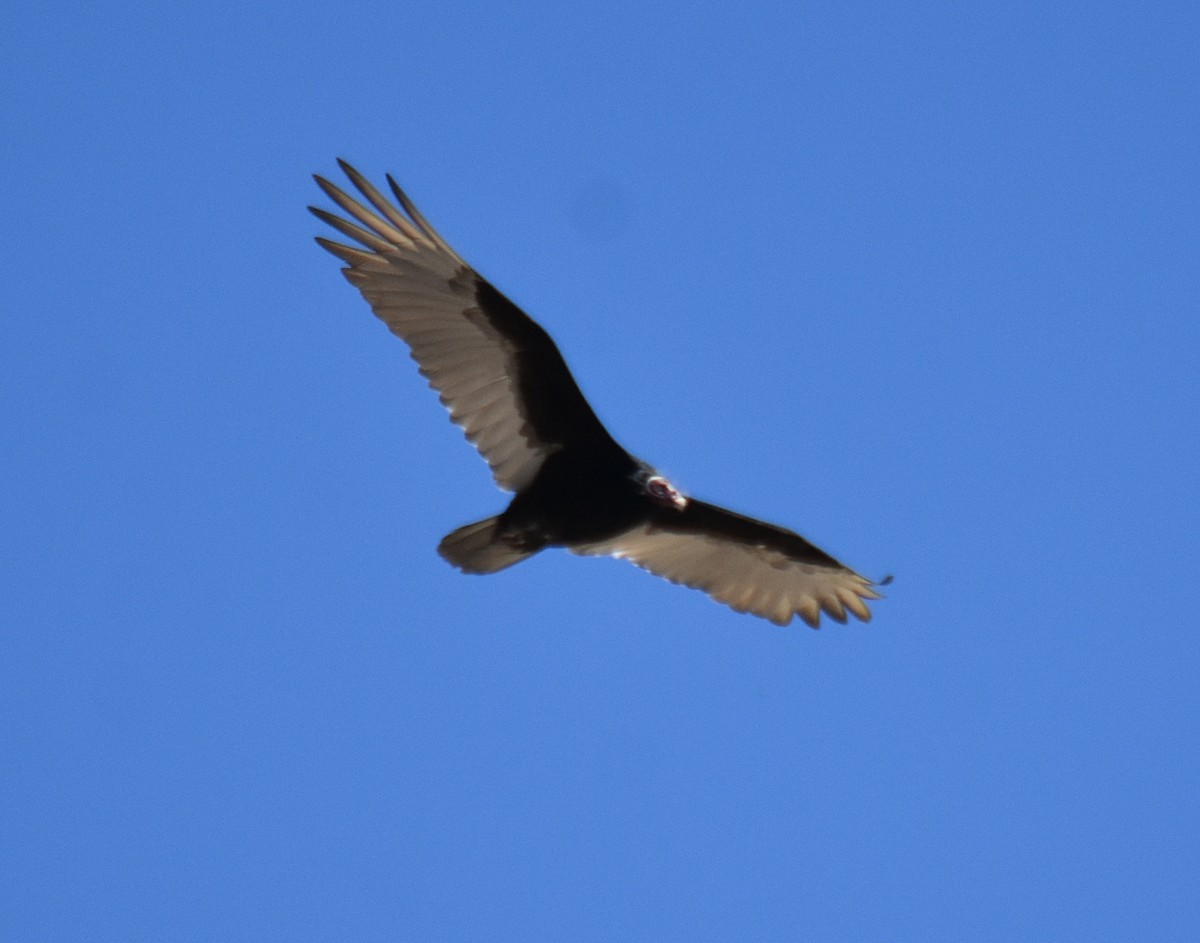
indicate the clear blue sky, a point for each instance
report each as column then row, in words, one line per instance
column 920, row 282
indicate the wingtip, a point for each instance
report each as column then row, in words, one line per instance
column 356, row 178
column 331, row 190
column 397, row 190
column 346, row 167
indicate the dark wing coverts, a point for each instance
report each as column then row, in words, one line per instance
column 746, row 564
column 497, row 371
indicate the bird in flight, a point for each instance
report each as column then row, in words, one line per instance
column 506, row 384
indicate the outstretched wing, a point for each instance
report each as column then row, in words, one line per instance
column 496, row 370
column 746, row 564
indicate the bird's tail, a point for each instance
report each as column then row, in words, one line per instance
column 477, row 548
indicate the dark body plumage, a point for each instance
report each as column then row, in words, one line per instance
column 505, row 382
column 585, row 493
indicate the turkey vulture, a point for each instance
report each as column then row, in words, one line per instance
column 506, row 384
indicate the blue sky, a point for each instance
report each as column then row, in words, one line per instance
column 918, row 282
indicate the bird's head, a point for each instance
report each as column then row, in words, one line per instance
column 659, row 489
